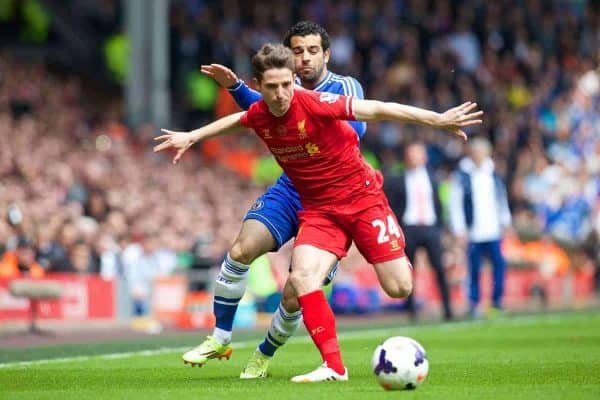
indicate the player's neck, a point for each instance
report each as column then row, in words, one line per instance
column 313, row 84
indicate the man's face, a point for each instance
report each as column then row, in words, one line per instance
column 80, row 257
column 25, row 255
column 309, row 59
column 277, row 89
column 416, row 156
column 478, row 154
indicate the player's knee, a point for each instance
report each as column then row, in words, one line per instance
column 399, row 289
column 243, row 251
column 303, row 281
column 297, row 278
column 405, row 288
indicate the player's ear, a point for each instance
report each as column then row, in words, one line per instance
column 326, row 55
column 256, row 83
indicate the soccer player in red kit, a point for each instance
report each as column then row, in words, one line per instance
column 341, row 194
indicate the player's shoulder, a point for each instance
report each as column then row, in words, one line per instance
column 314, row 98
column 343, row 84
column 258, row 112
column 343, row 78
column 257, row 107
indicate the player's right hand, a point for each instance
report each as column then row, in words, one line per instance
column 177, row 140
column 220, row 73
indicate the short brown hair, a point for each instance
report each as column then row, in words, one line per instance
column 272, row 56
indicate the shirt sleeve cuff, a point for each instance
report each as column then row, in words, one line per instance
column 236, row 86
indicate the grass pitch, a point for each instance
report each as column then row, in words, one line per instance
column 540, row 357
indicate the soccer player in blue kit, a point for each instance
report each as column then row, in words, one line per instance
column 272, row 221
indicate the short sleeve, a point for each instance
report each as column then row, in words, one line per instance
column 247, row 119
column 331, row 105
column 244, row 120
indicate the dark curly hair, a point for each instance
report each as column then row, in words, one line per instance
column 305, row 28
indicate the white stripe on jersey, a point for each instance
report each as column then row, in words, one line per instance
column 323, row 82
column 352, row 86
column 347, row 83
column 344, row 84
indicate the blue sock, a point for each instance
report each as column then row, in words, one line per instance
column 230, row 286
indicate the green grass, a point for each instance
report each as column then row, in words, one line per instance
column 542, row 357
column 97, row 348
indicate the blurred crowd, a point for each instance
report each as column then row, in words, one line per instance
column 83, row 188
column 533, row 66
column 86, row 195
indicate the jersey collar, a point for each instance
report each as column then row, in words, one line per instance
column 323, row 81
column 320, row 84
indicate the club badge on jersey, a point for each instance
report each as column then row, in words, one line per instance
column 329, row 98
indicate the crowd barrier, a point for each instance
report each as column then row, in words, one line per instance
column 89, row 297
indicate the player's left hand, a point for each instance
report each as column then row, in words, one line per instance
column 460, row 116
column 177, row 140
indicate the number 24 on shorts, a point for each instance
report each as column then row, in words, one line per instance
column 385, row 230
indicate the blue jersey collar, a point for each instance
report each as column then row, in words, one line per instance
column 320, row 85
column 323, row 82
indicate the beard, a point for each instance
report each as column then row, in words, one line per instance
column 311, row 77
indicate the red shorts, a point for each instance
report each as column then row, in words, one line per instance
column 372, row 225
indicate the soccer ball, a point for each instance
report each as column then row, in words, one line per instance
column 400, row 363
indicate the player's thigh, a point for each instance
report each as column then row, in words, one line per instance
column 254, row 240
column 277, row 209
column 310, row 266
column 376, row 232
column 320, row 242
column 380, row 239
column 395, row 277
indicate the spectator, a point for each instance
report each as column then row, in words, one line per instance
column 21, row 262
column 414, row 198
column 82, row 259
column 479, row 214
column 107, row 247
column 140, row 266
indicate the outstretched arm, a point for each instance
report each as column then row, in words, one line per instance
column 241, row 93
column 184, row 140
column 452, row 120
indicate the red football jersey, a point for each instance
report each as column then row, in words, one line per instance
column 316, row 147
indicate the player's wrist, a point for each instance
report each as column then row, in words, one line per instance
column 438, row 120
column 195, row 135
column 238, row 84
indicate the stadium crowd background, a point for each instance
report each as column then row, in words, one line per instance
column 91, row 197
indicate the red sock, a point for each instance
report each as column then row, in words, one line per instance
column 320, row 324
